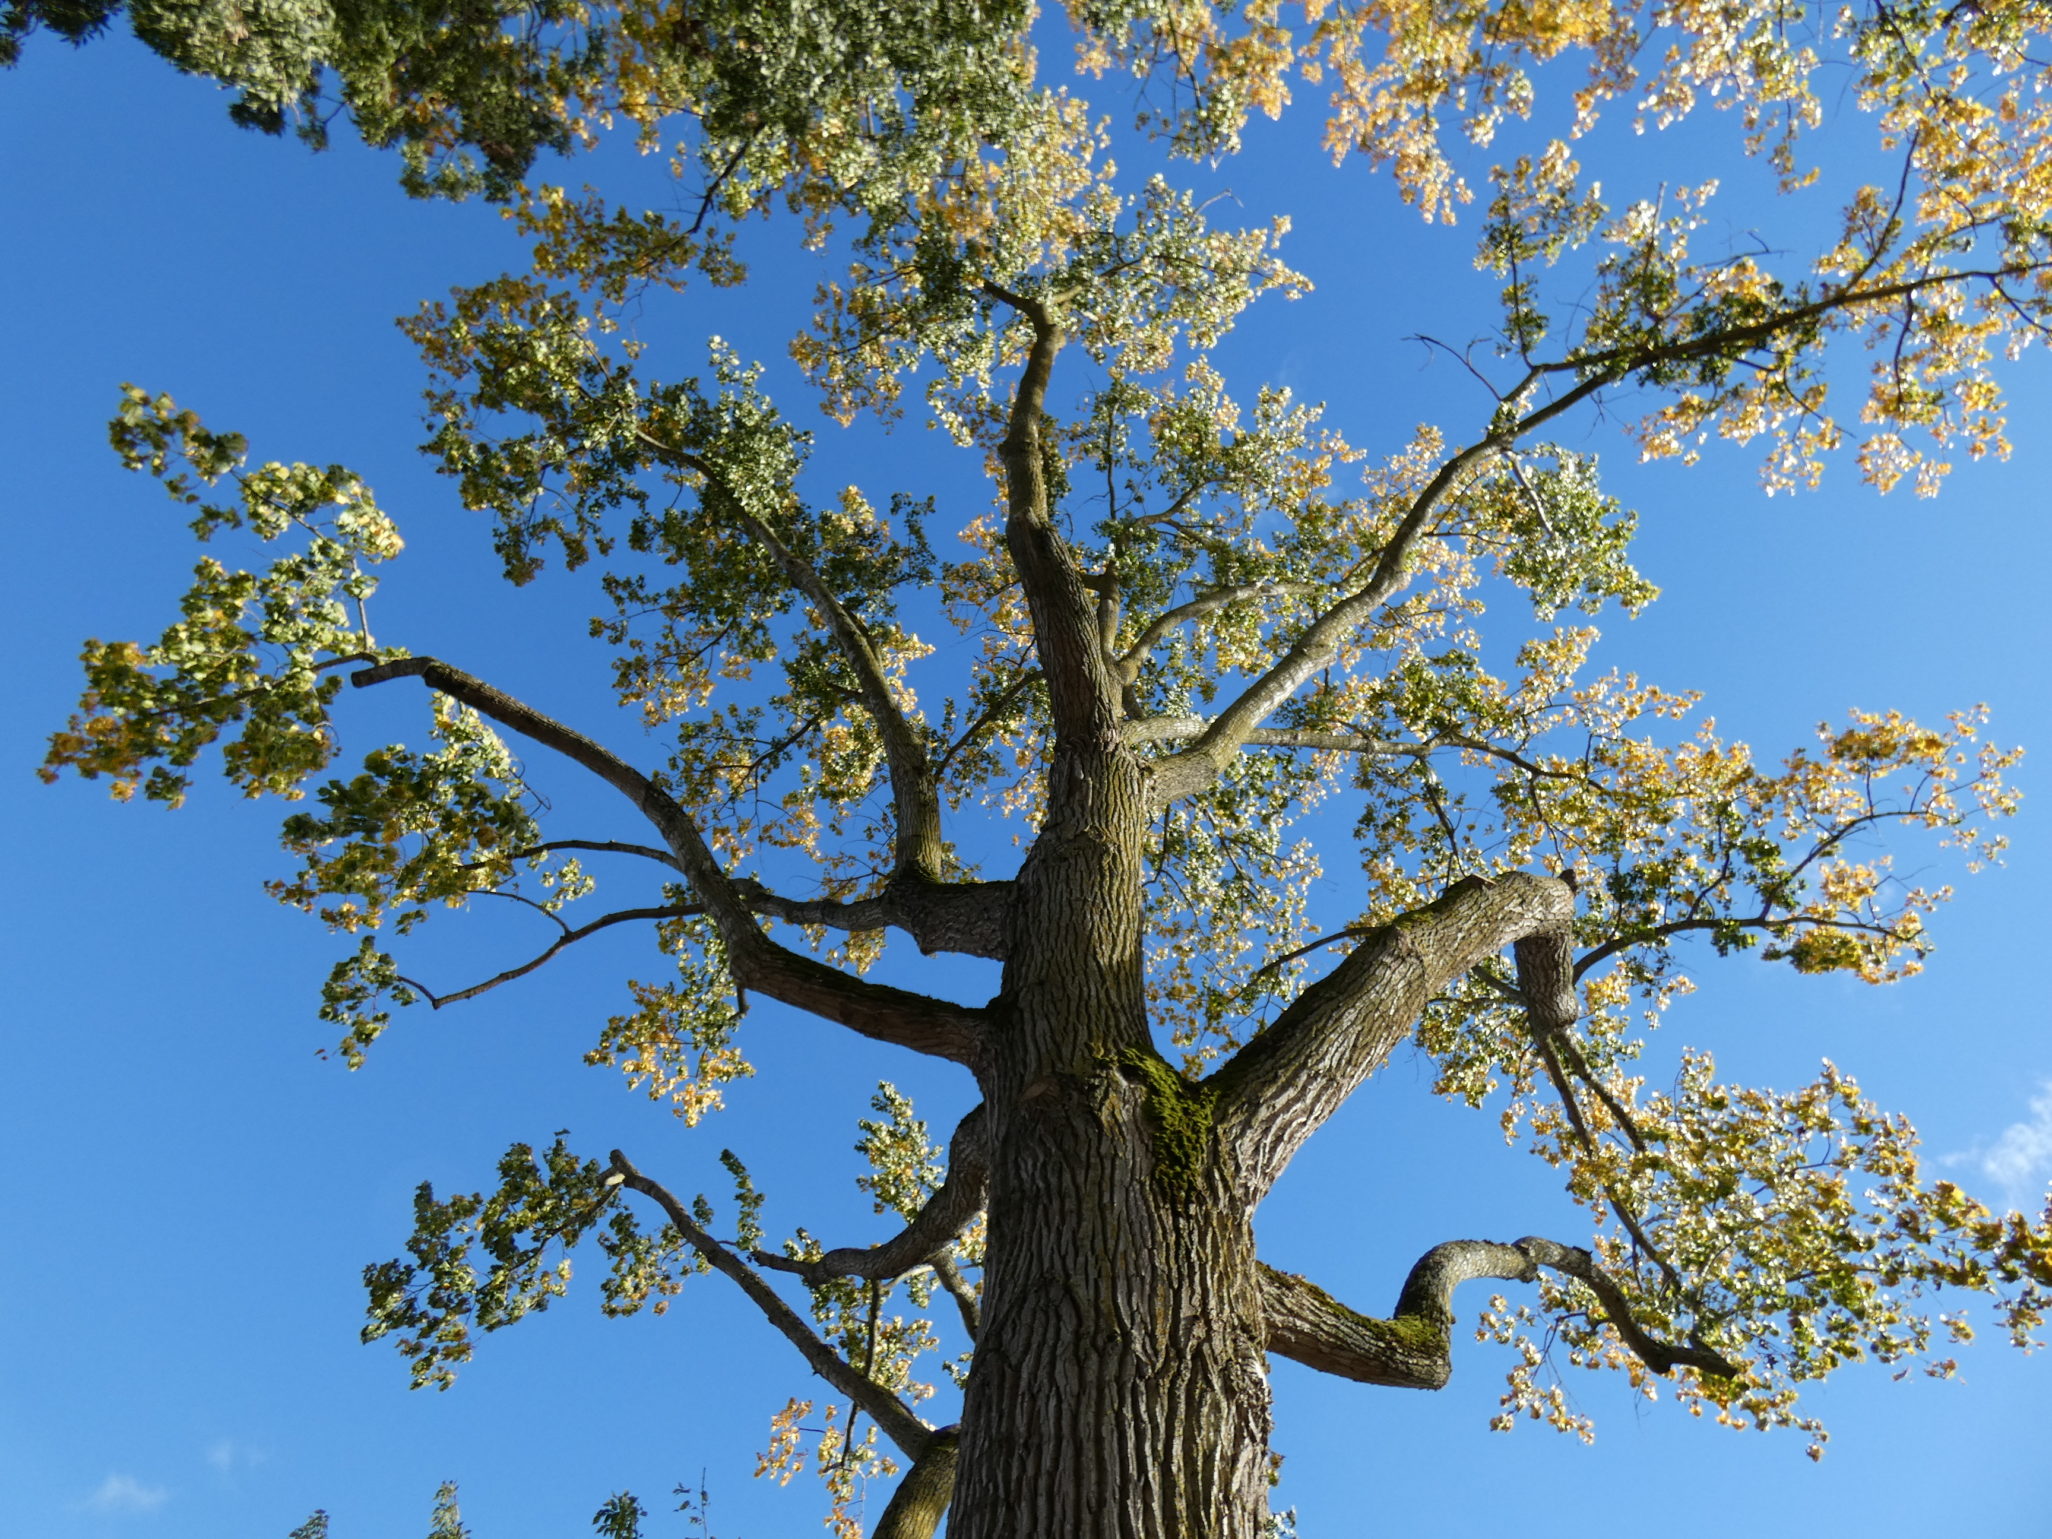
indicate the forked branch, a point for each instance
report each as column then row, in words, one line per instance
column 896, row 1419
column 756, row 962
column 915, row 799
column 562, row 942
column 1083, row 694
column 963, row 917
column 1197, row 766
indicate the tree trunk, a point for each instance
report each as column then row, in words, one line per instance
column 1120, row 1385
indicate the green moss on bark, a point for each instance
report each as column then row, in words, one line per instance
column 1183, row 1117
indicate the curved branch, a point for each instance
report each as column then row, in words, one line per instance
column 1277, row 1090
column 569, row 937
column 927, row 1239
column 1276, row 964
column 938, row 1027
column 1546, row 990
column 915, row 797
column 913, row 1436
column 1412, row 1349
column 1661, row 1357
column 967, row 1304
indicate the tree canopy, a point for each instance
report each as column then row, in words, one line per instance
column 1196, row 634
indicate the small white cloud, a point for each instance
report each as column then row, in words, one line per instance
column 124, row 1496
column 2019, row 1162
column 228, row 1456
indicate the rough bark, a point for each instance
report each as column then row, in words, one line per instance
column 1412, row 1349
column 922, row 1497
column 1119, row 1386
column 1277, row 1090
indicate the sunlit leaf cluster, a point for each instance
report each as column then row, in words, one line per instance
column 1790, row 1229
column 247, row 663
column 482, row 1261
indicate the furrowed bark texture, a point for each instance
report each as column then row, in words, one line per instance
column 1119, row 1385
column 1279, row 1089
column 922, row 1497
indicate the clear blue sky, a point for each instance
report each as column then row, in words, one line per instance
column 191, row 1193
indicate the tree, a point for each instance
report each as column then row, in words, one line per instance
column 1159, row 695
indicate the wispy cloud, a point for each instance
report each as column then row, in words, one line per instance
column 125, row 1496
column 2019, row 1162
column 228, row 1456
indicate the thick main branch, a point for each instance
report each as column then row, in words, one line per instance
column 1083, row 693
column 1277, row 1090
